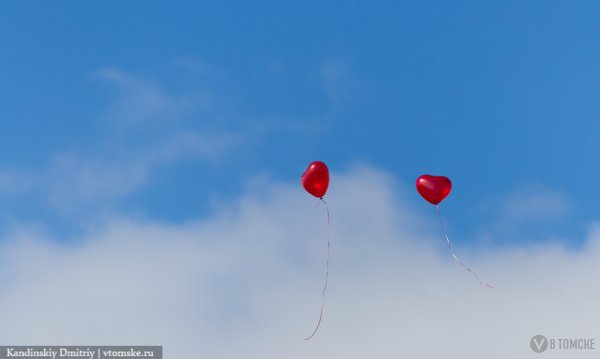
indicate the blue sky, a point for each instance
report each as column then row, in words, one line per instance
column 150, row 162
column 500, row 97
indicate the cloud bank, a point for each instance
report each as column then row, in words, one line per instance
column 245, row 282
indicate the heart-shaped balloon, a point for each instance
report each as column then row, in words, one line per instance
column 434, row 188
column 315, row 179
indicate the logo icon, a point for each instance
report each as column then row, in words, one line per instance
column 539, row 343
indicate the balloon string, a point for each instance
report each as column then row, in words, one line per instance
column 454, row 256
column 326, row 270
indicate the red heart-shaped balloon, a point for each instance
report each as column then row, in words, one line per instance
column 434, row 188
column 315, row 179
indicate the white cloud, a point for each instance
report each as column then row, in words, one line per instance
column 15, row 182
column 531, row 211
column 147, row 127
column 335, row 80
column 141, row 102
column 535, row 202
column 246, row 283
column 74, row 179
column 155, row 136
